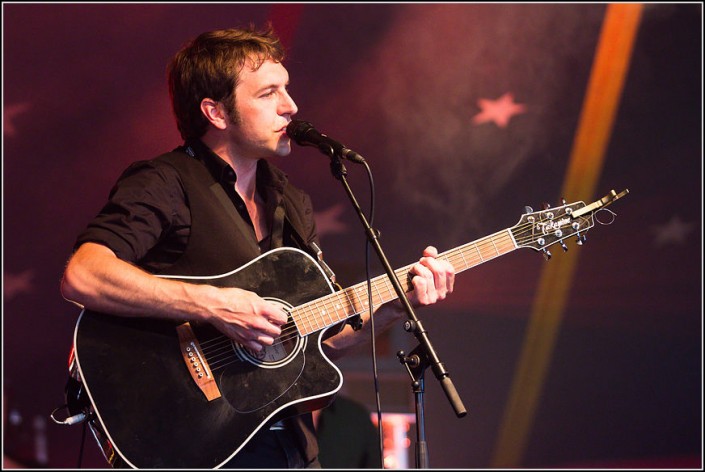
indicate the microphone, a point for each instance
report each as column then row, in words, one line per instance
column 305, row 134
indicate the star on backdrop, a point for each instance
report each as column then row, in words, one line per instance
column 9, row 113
column 674, row 231
column 500, row 110
column 328, row 221
column 15, row 284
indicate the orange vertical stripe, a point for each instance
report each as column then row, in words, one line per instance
column 602, row 98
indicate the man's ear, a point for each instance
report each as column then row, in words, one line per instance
column 214, row 112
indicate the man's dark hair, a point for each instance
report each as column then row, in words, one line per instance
column 209, row 67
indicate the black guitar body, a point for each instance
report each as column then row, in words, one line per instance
column 152, row 410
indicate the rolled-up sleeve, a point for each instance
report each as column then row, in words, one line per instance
column 146, row 203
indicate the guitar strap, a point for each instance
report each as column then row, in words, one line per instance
column 311, row 248
column 277, row 234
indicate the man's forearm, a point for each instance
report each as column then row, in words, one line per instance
column 348, row 339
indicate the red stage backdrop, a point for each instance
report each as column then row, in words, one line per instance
column 466, row 113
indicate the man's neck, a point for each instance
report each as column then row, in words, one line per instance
column 245, row 168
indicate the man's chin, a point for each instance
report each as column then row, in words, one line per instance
column 283, row 150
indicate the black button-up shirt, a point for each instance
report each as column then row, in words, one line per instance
column 147, row 206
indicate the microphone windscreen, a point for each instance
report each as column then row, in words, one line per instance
column 297, row 129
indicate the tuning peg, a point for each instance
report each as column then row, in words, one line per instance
column 563, row 202
column 546, row 206
column 546, row 254
column 528, row 209
column 565, row 248
column 581, row 239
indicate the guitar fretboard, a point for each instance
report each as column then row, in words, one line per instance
column 339, row 306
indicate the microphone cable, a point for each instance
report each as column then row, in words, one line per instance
column 375, row 375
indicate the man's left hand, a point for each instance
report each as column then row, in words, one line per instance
column 433, row 278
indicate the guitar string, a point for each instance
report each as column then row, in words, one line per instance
column 291, row 331
column 500, row 242
column 326, row 307
column 452, row 256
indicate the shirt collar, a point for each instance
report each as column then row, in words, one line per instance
column 267, row 174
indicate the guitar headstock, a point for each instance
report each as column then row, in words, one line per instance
column 540, row 229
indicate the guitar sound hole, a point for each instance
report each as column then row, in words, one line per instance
column 284, row 348
column 278, row 352
column 287, row 354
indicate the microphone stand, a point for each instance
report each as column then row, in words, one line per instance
column 416, row 366
column 424, row 355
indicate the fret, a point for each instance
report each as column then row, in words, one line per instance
column 513, row 240
column 392, row 295
column 339, row 308
column 351, row 305
column 307, row 320
column 495, row 246
column 486, row 250
column 363, row 301
column 320, row 315
column 312, row 318
column 506, row 243
column 327, row 312
column 465, row 263
column 445, row 258
column 403, row 276
column 479, row 253
column 472, row 254
column 303, row 322
column 379, row 300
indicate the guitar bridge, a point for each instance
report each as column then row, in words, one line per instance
column 196, row 363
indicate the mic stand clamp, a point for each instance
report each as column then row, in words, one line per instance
column 416, row 366
column 412, row 325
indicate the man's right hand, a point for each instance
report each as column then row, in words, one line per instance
column 245, row 317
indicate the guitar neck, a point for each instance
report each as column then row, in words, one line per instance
column 339, row 306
